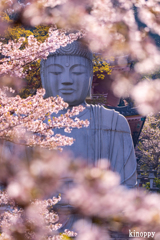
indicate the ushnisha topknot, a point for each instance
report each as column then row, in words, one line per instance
column 75, row 48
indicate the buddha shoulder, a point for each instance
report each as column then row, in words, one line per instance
column 111, row 119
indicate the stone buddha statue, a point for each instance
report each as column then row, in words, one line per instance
column 68, row 73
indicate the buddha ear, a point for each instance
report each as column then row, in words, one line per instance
column 42, row 63
column 44, row 83
column 89, row 94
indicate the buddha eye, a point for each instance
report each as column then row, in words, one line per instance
column 77, row 73
column 56, row 73
column 78, row 69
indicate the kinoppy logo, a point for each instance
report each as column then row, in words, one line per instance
column 141, row 234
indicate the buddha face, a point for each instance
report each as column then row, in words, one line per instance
column 69, row 77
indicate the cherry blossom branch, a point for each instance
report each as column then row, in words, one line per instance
column 34, row 51
column 21, row 117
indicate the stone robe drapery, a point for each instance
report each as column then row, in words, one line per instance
column 108, row 136
column 113, row 141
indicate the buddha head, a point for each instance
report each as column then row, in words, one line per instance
column 68, row 73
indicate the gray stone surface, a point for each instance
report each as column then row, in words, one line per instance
column 68, row 73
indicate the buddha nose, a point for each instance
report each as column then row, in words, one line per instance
column 66, row 78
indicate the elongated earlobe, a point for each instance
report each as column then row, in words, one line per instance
column 42, row 73
column 89, row 94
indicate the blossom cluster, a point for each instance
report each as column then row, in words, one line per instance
column 35, row 221
column 37, row 215
column 148, row 100
column 29, row 121
column 23, row 210
column 113, row 206
column 105, row 206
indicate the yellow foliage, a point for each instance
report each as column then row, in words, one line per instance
column 14, row 32
column 41, row 33
column 100, row 66
column 5, row 17
column 32, row 80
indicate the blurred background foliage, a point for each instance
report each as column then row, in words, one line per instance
column 148, row 149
